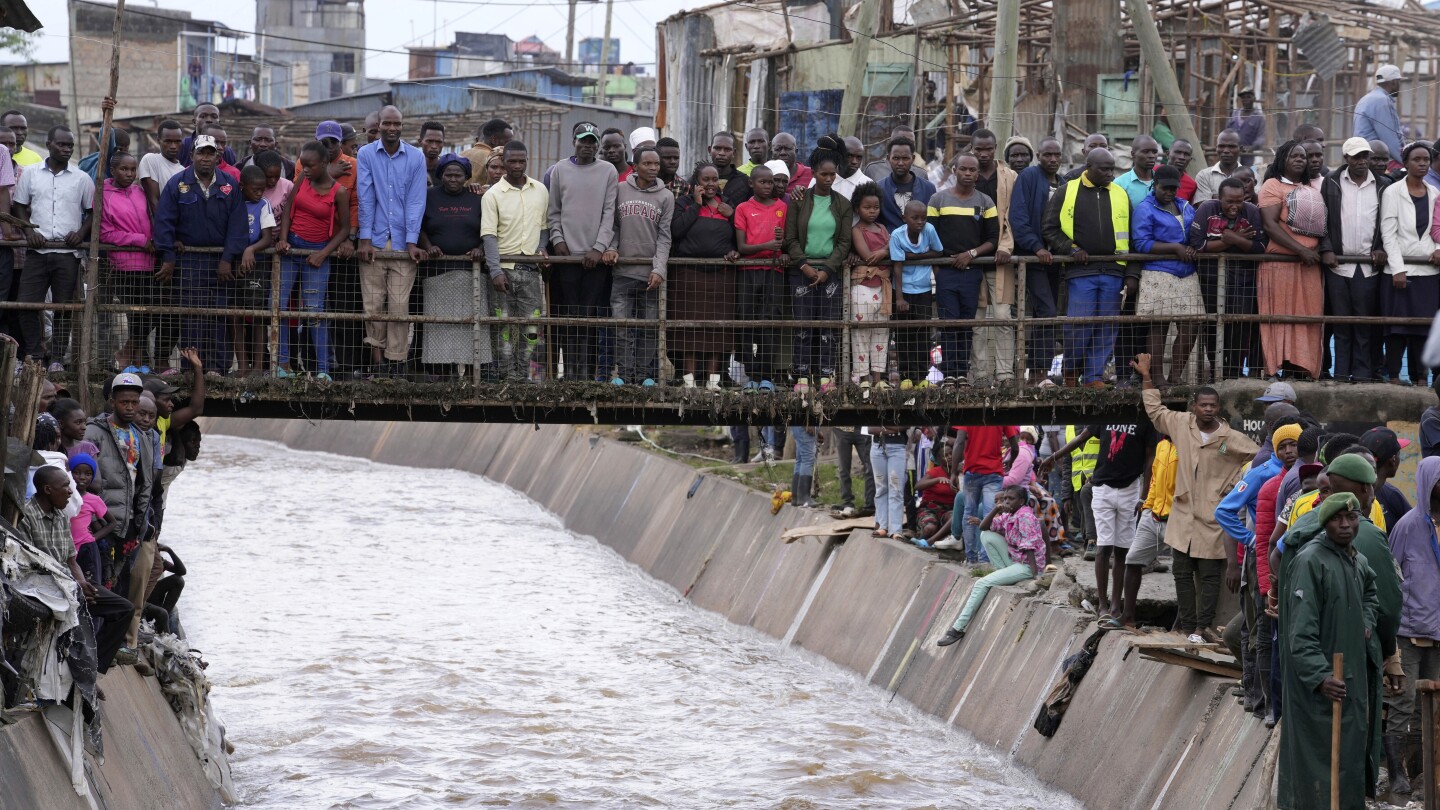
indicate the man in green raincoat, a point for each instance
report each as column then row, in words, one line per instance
column 1328, row 605
column 1353, row 473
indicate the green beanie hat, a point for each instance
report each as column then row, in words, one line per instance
column 1354, row 467
column 1337, row 503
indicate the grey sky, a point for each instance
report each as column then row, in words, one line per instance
column 392, row 25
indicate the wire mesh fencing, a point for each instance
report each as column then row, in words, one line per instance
column 713, row 323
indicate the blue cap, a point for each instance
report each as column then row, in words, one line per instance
column 84, row 459
column 329, row 129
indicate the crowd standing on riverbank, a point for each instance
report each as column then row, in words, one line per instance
column 93, row 504
column 784, row 239
column 1326, row 554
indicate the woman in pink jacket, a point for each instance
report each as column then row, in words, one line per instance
column 1022, row 467
column 125, row 221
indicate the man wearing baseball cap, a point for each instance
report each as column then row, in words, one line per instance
column 1352, row 203
column 199, row 207
column 1385, row 446
column 1249, row 122
column 127, row 474
column 582, row 223
column 1376, row 116
column 1278, row 392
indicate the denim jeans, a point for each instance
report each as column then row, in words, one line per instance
column 888, row 461
column 957, row 296
column 198, row 288
column 999, row 552
column 978, row 491
column 635, row 346
column 1088, row 346
column 804, row 451
column 314, row 281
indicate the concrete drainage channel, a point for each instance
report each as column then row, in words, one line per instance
column 872, row 605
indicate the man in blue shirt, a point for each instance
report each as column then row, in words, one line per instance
column 902, row 184
column 201, row 207
column 391, row 185
column 1376, row 116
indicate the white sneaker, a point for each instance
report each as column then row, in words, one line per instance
column 948, row 543
column 1195, row 638
column 848, row 512
column 714, row 383
column 689, row 380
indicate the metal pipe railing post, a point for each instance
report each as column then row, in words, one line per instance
column 1219, row 361
column 477, row 311
column 1022, row 357
column 662, row 345
column 275, row 306
column 847, row 309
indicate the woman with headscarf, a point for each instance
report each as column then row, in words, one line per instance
column 1293, row 213
column 451, row 228
column 1407, row 222
column 1413, row 544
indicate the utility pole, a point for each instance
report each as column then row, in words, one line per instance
column 1162, row 73
column 570, row 39
column 859, row 56
column 605, row 54
column 1003, row 73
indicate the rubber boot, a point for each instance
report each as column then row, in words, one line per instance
column 1395, row 763
column 802, row 490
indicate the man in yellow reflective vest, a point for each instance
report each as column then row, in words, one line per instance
column 1090, row 216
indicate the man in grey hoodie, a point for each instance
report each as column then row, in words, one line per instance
column 643, row 208
column 582, row 223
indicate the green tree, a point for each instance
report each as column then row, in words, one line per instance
column 16, row 47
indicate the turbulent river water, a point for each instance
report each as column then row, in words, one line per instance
column 383, row 637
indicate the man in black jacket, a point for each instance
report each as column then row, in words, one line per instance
column 734, row 184
column 1352, row 204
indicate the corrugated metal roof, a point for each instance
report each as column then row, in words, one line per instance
column 1320, row 44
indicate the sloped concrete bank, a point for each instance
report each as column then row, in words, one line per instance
column 1137, row 735
column 148, row 764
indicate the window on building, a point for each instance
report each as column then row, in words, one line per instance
column 342, row 62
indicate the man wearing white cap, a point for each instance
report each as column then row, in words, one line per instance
column 1376, row 116
column 1352, row 202
column 642, row 137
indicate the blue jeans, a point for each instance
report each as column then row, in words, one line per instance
column 957, row 296
column 313, row 283
column 804, row 451
column 978, row 491
column 888, row 463
column 198, row 288
column 1088, row 346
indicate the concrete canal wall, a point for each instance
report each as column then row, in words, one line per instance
column 1138, row 736
column 148, row 764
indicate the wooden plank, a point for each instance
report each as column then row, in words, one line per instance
column 1195, row 662
column 1171, row 641
column 832, row 529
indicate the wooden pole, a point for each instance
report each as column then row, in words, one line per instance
column 1002, row 76
column 1339, row 675
column 605, row 54
column 90, row 280
column 570, row 38
column 859, row 56
column 1162, row 71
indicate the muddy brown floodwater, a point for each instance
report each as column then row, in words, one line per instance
column 383, row 637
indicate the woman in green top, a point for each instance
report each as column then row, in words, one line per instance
column 817, row 240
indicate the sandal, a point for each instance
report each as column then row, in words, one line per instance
column 1110, row 623
column 879, row 533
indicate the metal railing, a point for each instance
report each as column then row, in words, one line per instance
column 1020, row 327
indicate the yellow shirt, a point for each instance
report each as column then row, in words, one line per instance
column 1162, row 479
column 1305, row 504
column 28, row 157
column 162, row 425
column 516, row 217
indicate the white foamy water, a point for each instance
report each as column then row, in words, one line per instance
column 382, row 637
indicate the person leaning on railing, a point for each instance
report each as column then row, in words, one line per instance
column 1408, row 227
column 1231, row 225
column 817, row 240
column 513, row 223
column 451, row 227
column 1293, row 213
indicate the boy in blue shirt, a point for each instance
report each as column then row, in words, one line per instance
column 914, row 299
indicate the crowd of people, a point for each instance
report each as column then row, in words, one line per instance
column 94, row 504
column 1306, row 526
column 360, row 214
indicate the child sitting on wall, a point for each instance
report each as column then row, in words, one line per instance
column 1011, row 531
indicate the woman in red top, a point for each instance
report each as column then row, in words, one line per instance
column 316, row 218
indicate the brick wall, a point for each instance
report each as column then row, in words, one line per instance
column 149, row 71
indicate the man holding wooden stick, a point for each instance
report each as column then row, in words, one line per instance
column 1328, row 607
